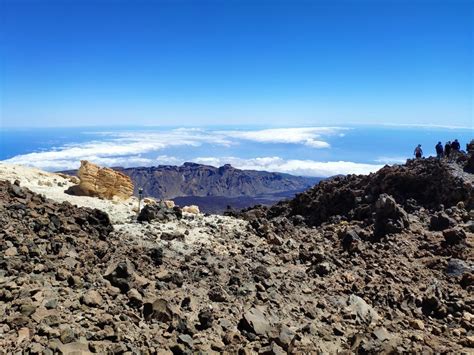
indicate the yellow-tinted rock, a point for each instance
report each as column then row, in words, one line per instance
column 191, row 209
column 169, row 203
column 417, row 324
column 149, row 201
column 103, row 182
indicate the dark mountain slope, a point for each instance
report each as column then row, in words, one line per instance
column 190, row 179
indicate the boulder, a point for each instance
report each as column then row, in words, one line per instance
column 120, row 275
column 92, row 298
column 191, row 209
column 159, row 310
column 169, row 203
column 457, row 267
column 362, row 312
column 454, row 236
column 102, row 182
column 174, row 235
column 441, row 221
column 390, row 218
column 159, row 212
column 255, row 321
column 350, row 241
column 217, row 294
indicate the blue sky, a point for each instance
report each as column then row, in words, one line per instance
column 273, row 63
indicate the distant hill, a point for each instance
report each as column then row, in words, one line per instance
column 214, row 188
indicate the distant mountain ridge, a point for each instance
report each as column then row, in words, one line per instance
column 191, row 179
column 213, row 188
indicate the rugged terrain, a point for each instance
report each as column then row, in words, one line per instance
column 192, row 179
column 213, row 189
column 357, row 264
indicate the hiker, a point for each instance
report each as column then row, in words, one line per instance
column 456, row 146
column 455, row 150
column 418, row 152
column 447, row 149
column 439, row 150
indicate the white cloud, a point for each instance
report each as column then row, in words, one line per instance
column 133, row 148
column 293, row 166
column 118, row 149
column 277, row 164
column 391, row 160
column 168, row 160
column 309, row 136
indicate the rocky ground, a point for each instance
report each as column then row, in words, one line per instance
column 53, row 186
column 355, row 265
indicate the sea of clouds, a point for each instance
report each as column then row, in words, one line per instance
column 146, row 148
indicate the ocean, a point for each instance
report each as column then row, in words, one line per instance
column 309, row 151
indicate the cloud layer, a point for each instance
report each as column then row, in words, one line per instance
column 132, row 148
column 293, row 166
column 309, row 136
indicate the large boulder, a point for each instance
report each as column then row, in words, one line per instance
column 390, row 218
column 102, row 182
column 159, row 212
column 441, row 221
column 362, row 312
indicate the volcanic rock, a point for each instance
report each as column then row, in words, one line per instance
column 254, row 321
column 350, row 241
column 362, row 312
column 457, row 267
column 389, row 216
column 227, row 287
column 159, row 212
column 120, row 274
column 424, row 183
column 441, row 221
column 159, row 310
column 102, row 182
column 454, row 236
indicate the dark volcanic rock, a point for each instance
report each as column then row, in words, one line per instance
column 159, row 310
column 119, row 275
column 273, row 284
column 454, row 236
column 389, row 216
column 457, row 267
column 350, row 240
column 469, row 166
column 424, row 183
column 254, row 321
column 441, row 221
column 158, row 212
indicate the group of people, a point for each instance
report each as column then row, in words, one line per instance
column 449, row 149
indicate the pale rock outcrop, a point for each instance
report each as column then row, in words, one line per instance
column 169, row 203
column 73, row 179
column 191, row 209
column 152, row 201
column 149, row 201
column 102, row 182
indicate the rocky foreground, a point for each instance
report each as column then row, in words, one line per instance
column 358, row 264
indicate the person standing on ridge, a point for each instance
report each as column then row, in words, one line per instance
column 439, row 150
column 447, row 149
column 456, row 146
column 418, row 152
